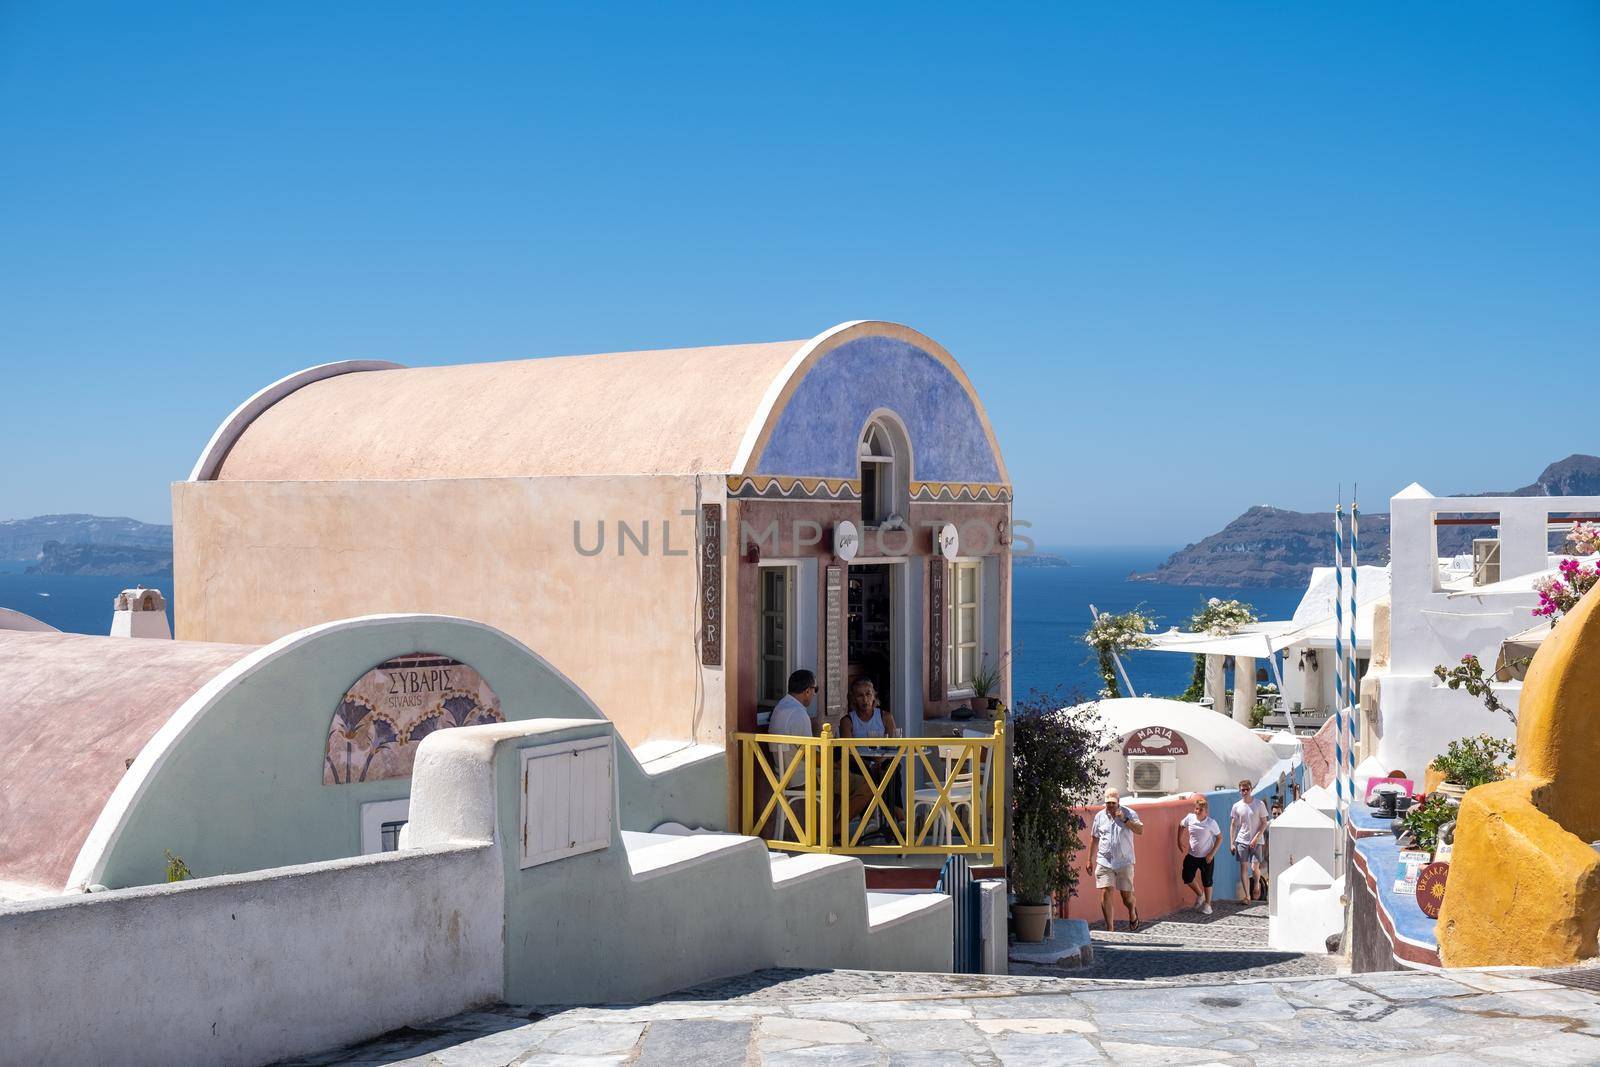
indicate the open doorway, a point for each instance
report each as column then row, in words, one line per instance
column 870, row 629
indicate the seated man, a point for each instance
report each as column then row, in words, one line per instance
column 792, row 715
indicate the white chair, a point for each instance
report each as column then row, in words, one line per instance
column 960, row 794
column 794, row 794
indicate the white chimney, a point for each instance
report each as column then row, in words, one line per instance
column 140, row 612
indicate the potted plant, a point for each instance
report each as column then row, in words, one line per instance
column 1424, row 821
column 986, row 682
column 1472, row 761
column 1055, row 769
column 1031, row 877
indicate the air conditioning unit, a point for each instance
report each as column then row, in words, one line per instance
column 1152, row 774
column 1485, row 560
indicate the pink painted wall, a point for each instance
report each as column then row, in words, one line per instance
column 1157, row 864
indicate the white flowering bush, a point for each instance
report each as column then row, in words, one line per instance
column 1219, row 618
column 1112, row 634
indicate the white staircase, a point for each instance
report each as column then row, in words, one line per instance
column 809, row 911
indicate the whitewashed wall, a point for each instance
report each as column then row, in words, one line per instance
column 1418, row 716
column 248, row 969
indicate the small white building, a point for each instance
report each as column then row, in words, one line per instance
column 1446, row 608
column 1172, row 746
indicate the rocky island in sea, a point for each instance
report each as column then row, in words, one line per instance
column 87, row 544
column 1270, row 547
column 58, row 558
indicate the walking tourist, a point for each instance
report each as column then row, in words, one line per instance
column 1111, row 840
column 1198, row 838
column 1266, row 849
column 792, row 716
column 1246, row 823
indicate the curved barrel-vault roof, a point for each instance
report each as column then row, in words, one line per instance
column 77, row 709
column 788, row 407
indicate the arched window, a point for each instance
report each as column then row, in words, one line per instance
column 885, row 472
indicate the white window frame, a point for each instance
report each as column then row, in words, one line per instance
column 604, row 798
column 791, row 624
column 894, row 469
column 374, row 814
column 960, row 688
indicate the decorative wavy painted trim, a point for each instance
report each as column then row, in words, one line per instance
column 960, row 492
column 786, row 487
column 782, row 487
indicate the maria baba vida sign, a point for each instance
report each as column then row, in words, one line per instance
column 1155, row 741
column 389, row 710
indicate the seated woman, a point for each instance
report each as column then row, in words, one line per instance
column 866, row 720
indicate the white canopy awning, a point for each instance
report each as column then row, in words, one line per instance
column 1516, row 651
column 1260, row 639
column 1314, row 622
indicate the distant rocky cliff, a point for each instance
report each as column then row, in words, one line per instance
column 1269, row 546
column 25, row 538
column 57, row 558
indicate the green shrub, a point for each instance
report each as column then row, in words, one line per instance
column 1056, row 767
column 177, row 870
column 1475, row 761
column 1426, row 818
column 1032, row 864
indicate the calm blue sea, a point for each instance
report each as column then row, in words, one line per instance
column 1050, row 611
column 75, row 603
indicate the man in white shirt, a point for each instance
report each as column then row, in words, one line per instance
column 1198, row 839
column 1111, row 840
column 1246, row 823
column 792, row 716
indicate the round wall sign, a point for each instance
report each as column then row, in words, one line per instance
column 1430, row 888
column 846, row 540
column 948, row 541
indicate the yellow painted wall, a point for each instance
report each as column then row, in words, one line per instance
column 1524, row 884
column 254, row 561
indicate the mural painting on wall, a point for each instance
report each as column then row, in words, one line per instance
column 389, row 710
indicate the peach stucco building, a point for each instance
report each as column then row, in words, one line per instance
column 673, row 530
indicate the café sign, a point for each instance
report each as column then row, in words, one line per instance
column 1155, row 741
column 846, row 540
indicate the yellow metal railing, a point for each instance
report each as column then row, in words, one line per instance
column 913, row 796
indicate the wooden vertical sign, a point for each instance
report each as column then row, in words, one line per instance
column 711, row 585
column 936, row 621
column 833, row 636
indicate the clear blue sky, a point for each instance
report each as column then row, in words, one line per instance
column 1195, row 256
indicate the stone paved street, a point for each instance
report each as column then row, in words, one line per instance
column 1231, row 943
column 779, row 1019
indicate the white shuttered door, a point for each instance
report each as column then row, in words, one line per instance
column 566, row 800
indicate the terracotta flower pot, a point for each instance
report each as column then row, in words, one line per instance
column 1029, row 920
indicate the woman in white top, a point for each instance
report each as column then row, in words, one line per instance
column 1198, row 838
column 865, row 719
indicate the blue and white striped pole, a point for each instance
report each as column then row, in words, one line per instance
column 1338, row 672
column 1355, row 666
